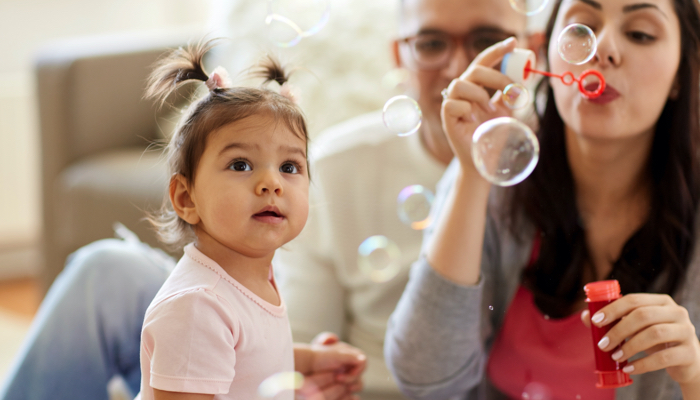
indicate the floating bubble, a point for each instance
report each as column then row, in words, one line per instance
column 490, row 308
column 414, row 204
column 577, row 44
column 280, row 383
column 536, row 391
column 289, row 21
column 379, row 258
column 402, row 115
column 505, row 151
column 528, row 7
column 516, row 96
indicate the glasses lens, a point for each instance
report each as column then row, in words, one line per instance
column 431, row 49
column 481, row 40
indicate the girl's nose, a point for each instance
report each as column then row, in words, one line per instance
column 268, row 183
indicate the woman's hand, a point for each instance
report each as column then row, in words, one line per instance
column 656, row 325
column 467, row 103
column 332, row 369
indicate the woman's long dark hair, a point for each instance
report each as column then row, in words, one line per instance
column 656, row 257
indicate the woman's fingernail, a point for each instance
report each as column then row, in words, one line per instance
column 628, row 369
column 604, row 342
column 509, row 41
column 617, row 355
column 598, row 317
column 473, row 117
column 492, row 106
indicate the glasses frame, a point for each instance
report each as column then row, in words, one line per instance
column 466, row 41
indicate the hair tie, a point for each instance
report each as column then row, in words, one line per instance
column 218, row 79
column 290, row 92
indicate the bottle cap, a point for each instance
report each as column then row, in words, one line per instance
column 516, row 64
column 612, row 379
column 602, row 290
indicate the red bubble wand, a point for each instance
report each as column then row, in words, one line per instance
column 568, row 79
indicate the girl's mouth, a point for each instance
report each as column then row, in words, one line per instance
column 270, row 215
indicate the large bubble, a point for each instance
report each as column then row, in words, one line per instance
column 379, row 258
column 402, row 115
column 414, row 204
column 505, row 151
column 577, row 44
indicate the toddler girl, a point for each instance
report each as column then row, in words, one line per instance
column 238, row 190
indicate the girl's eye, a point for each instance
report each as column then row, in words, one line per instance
column 240, row 166
column 289, row 168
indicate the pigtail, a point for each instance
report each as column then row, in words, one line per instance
column 176, row 68
column 271, row 70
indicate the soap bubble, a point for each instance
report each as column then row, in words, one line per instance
column 505, row 151
column 402, row 115
column 289, row 21
column 528, row 7
column 414, row 204
column 577, row 44
column 279, row 384
column 536, row 391
column 379, row 258
column 516, row 96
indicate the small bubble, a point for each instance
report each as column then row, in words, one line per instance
column 515, row 96
column 546, row 317
column 577, row 44
column 279, row 383
column 414, row 205
column 528, row 7
column 491, row 308
column 379, row 258
column 402, row 115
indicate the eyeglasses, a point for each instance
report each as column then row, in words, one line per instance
column 433, row 50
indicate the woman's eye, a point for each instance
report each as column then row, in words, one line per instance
column 240, row 166
column 641, row 37
column 289, row 168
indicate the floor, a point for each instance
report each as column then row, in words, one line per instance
column 19, row 301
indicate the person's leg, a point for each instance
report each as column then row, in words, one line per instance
column 88, row 328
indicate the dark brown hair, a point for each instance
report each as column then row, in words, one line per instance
column 217, row 108
column 656, row 257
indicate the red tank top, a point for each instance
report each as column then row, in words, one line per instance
column 534, row 357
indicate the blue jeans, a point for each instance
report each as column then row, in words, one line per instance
column 88, row 328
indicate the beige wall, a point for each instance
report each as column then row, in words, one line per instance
column 25, row 25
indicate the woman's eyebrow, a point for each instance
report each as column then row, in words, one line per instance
column 593, row 4
column 638, row 6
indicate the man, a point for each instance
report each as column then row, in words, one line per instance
column 359, row 167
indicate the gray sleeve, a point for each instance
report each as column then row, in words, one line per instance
column 435, row 344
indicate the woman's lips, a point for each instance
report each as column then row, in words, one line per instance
column 608, row 95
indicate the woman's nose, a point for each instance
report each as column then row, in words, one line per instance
column 607, row 52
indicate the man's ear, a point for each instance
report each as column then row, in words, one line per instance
column 535, row 42
column 182, row 199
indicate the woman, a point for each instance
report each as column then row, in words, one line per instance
column 498, row 293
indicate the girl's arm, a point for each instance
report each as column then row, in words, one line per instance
column 164, row 395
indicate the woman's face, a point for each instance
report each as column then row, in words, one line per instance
column 639, row 49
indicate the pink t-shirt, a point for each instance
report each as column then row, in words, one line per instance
column 206, row 333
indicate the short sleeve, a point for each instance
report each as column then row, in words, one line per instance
column 190, row 339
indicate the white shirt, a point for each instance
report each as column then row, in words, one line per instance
column 358, row 169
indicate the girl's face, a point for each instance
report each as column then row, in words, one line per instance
column 251, row 188
column 639, row 50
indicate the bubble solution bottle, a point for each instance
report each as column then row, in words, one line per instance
column 600, row 294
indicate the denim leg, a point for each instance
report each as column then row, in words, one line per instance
column 88, row 327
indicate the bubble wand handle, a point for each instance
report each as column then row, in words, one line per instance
column 568, row 78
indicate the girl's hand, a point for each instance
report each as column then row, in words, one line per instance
column 467, row 103
column 332, row 369
column 656, row 325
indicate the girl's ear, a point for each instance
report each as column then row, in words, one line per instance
column 182, row 200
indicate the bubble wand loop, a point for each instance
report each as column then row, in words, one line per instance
column 568, row 79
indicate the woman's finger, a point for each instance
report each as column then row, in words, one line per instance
column 487, row 77
column 636, row 321
column 650, row 338
column 626, row 304
column 457, row 111
column 586, row 318
column 493, row 55
column 673, row 356
column 470, row 92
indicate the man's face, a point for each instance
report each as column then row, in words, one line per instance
column 444, row 37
